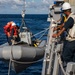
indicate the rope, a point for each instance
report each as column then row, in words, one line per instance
column 60, row 63
column 40, row 32
column 10, row 61
column 24, row 62
column 23, row 23
column 9, row 67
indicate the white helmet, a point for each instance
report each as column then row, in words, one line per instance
column 66, row 6
column 13, row 24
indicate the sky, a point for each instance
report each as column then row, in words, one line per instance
column 31, row 6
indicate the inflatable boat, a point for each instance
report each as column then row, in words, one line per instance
column 22, row 55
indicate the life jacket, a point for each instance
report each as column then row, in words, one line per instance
column 65, row 18
column 7, row 28
column 15, row 30
column 71, row 33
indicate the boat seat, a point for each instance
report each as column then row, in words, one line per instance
column 42, row 44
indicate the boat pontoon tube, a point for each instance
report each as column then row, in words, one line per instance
column 27, row 53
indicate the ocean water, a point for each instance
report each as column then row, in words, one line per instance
column 35, row 23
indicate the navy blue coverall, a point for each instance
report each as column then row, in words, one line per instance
column 68, row 54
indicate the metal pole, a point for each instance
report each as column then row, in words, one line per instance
column 23, row 15
column 47, row 63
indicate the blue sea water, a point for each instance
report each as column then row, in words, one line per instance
column 35, row 23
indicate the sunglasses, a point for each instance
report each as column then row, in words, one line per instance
column 64, row 10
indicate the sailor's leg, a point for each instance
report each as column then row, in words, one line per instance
column 9, row 40
column 68, row 51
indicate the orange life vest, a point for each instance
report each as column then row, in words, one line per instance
column 15, row 31
column 7, row 28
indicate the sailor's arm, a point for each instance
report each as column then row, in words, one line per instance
column 58, row 27
column 59, row 33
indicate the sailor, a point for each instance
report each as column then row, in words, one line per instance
column 7, row 30
column 60, row 24
column 18, row 31
column 15, row 33
column 63, row 18
column 68, row 54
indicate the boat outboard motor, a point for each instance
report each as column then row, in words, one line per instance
column 25, row 36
